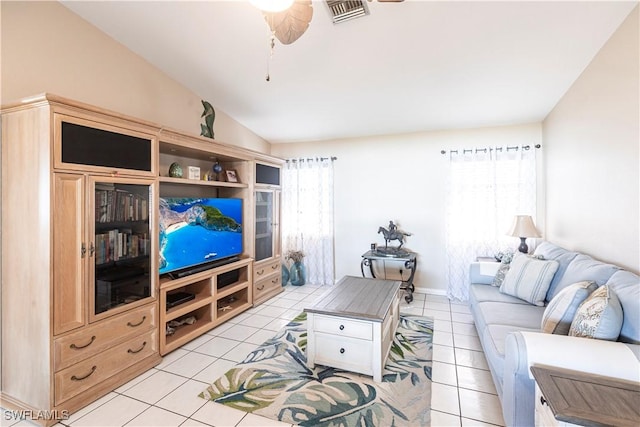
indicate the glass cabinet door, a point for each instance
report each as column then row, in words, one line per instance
column 121, row 245
column 264, row 225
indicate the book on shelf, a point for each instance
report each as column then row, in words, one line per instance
column 118, row 244
column 119, row 205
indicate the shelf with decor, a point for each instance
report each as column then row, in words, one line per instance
column 226, row 286
column 187, row 181
column 202, row 153
column 229, row 304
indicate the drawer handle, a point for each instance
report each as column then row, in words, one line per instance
column 543, row 401
column 137, row 351
column 79, row 347
column 260, row 287
column 260, row 273
column 274, row 281
column 342, row 327
column 74, row 378
column 137, row 324
column 342, row 351
column 274, row 266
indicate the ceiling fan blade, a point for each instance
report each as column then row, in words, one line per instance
column 290, row 24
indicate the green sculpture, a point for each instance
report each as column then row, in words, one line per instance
column 209, row 114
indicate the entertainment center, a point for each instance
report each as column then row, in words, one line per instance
column 82, row 236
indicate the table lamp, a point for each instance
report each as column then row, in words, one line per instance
column 523, row 227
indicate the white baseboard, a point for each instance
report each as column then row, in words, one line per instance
column 429, row 291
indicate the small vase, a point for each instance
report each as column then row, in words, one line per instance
column 285, row 275
column 298, row 274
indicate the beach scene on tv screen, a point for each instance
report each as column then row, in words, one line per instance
column 197, row 231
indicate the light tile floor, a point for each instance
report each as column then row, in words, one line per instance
column 462, row 391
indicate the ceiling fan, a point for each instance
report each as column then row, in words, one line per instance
column 290, row 19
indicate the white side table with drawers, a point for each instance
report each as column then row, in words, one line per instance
column 352, row 326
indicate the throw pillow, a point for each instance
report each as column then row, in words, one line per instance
column 505, row 259
column 599, row 316
column 561, row 310
column 528, row 278
column 499, row 277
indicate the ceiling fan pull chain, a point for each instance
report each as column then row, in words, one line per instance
column 271, row 49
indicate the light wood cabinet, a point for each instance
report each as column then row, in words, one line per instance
column 80, row 248
column 59, row 303
column 267, row 243
column 267, row 280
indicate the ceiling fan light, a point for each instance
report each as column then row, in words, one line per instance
column 272, row 5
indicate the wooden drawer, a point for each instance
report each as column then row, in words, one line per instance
column 266, row 285
column 340, row 326
column 78, row 378
column 346, row 353
column 262, row 270
column 100, row 336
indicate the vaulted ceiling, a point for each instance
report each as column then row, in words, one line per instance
column 406, row 67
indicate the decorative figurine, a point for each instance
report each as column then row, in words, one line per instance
column 209, row 114
column 216, row 169
column 392, row 234
column 175, row 170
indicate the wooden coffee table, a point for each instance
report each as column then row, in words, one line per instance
column 352, row 325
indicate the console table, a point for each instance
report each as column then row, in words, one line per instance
column 409, row 259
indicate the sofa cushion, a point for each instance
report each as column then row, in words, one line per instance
column 501, row 313
column 481, row 293
column 528, row 278
column 599, row 316
column 583, row 267
column 626, row 286
column 559, row 313
column 563, row 256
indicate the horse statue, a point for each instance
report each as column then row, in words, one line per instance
column 392, row 234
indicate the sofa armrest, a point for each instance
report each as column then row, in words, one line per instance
column 525, row 349
column 483, row 272
column 600, row 357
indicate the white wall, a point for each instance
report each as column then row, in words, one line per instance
column 48, row 48
column 592, row 154
column 400, row 178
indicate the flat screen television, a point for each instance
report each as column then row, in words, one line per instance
column 196, row 233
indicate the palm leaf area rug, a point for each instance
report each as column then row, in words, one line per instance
column 274, row 382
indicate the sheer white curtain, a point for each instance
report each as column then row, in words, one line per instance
column 307, row 215
column 486, row 188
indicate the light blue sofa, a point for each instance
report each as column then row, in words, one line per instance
column 509, row 330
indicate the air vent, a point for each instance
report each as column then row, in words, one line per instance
column 345, row 10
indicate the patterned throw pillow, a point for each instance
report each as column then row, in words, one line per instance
column 599, row 316
column 561, row 310
column 505, row 261
column 499, row 277
column 528, row 278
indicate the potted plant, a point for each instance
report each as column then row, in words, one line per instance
column 297, row 272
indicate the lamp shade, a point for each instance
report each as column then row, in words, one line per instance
column 523, row 227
